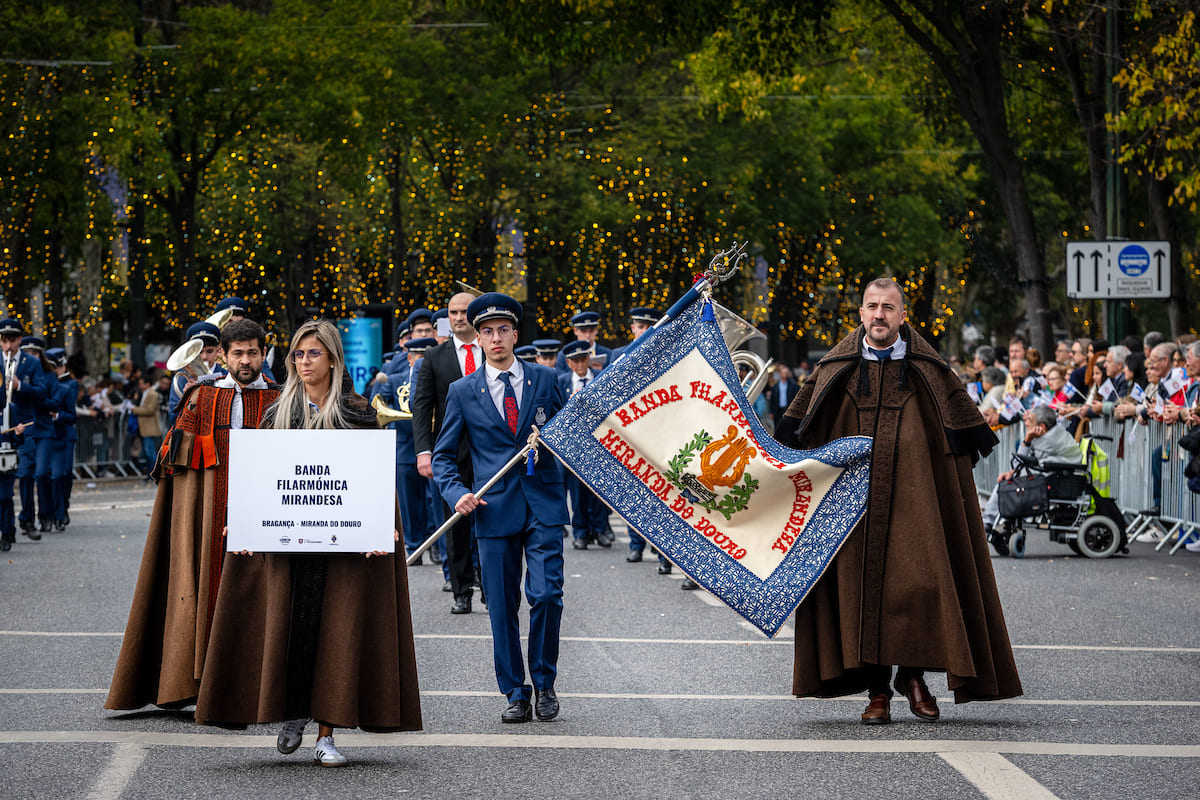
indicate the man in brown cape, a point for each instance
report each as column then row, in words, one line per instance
column 913, row 584
column 162, row 653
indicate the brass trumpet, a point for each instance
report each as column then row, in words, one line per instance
column 386, row 415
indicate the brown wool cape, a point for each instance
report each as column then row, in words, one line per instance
column 322, row 636
column 913, row 584
column 162, row 652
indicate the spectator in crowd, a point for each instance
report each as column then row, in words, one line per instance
column 992, row 402
column 1016, row 352
column 1151, row 340
column 985, row 356
column 1135, row 371
column 1034, row 357
column 1103, row 402
column 148, row 424
column 1078, row 374
column 1062, row 351
column 780, row 393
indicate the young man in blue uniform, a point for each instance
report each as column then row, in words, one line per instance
column 496, row 408
column 410, row 486
column 62, row 448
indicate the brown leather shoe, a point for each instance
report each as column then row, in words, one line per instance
column 922, row 704
column 879, row 711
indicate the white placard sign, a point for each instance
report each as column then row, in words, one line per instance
column 312, row 491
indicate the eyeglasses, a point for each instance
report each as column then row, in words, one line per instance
column 310, row 355
column 499, row 332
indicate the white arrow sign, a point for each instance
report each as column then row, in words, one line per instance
column 1118, row 270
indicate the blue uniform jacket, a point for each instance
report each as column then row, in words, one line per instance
column 560, row 363
column 33, row 390
column 406, row 453
column 470, row 412
column 65, row 395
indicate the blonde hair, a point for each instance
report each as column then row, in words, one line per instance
column 292, row 408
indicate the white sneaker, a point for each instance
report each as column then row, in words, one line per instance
column 291, row 736
column 1193, row 546
column 1152, row 535
column 327, row 755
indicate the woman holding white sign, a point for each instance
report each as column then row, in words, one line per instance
column 306, row 636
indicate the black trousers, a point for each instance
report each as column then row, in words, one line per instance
column 879, row 678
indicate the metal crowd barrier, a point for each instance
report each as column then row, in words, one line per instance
column 1131, row 449
column 106, row 449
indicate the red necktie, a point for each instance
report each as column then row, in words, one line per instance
column 470, row 366
column 510, row 402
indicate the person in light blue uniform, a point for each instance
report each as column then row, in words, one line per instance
column 410, row 485
column 589, row 516
column 586, row 325
column 28, row 391
column 62, row 448
column 210, row 337
column 524, row 513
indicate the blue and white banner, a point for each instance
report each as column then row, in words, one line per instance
column 666, row 437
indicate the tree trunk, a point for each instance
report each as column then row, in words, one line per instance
column 1178, row 309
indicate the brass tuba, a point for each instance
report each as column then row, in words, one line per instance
column 386, row 415
column 737, row 332
column 187, row 357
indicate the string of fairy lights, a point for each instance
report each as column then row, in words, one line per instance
column 279, row 221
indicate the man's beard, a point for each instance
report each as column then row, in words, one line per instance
column 254, row 373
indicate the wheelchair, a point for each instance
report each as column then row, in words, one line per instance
column 1073, row 514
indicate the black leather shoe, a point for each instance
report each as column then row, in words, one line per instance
column 579, row 544
column 634, row 556
column 462, row 605
column 545, row 704
column 32, row 534
column 435, row 557
column 688, row 583
column 45, row 524
column 418, row 562
column 605, row 538
column 26, row 525
column 446, row 587
column 5, row 546
column 664, row 568
column 478, row 582
column 517, row 711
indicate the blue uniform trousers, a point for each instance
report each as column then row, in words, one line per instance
column 62, row 465
column 588, row 513
column 500, row 558
column 27, row 476
column 8, row 520
column 45, row 478
column 410, row 489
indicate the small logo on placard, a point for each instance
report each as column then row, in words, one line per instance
column 333, row 539
column 300, row 541
column 285, row 540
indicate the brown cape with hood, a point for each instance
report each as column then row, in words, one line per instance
column 313, row 635
column 913, row 584
column 162, row 652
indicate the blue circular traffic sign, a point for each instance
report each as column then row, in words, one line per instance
column 1133, row 260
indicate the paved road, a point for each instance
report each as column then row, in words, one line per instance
column 665, row 694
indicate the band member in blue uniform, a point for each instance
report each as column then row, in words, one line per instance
column 25, row 386
column 495, row 409
column 12, row 438
column 587, row 327
column 527, row 353
column 588, row 514
column 547, row 351
column 210, row 335
column 62, row 447
column 42, row 435
column 410, row 486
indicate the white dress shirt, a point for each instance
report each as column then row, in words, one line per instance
column 237, row 415
column 460, row 352
column 899, row 349
column 496, row 385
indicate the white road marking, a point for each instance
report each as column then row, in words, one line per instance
column 570, row 742
column 783, row 638
column 997, row 777
column 125, row 761
column 759, row 698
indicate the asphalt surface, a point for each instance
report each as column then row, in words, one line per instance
column 664, row 693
